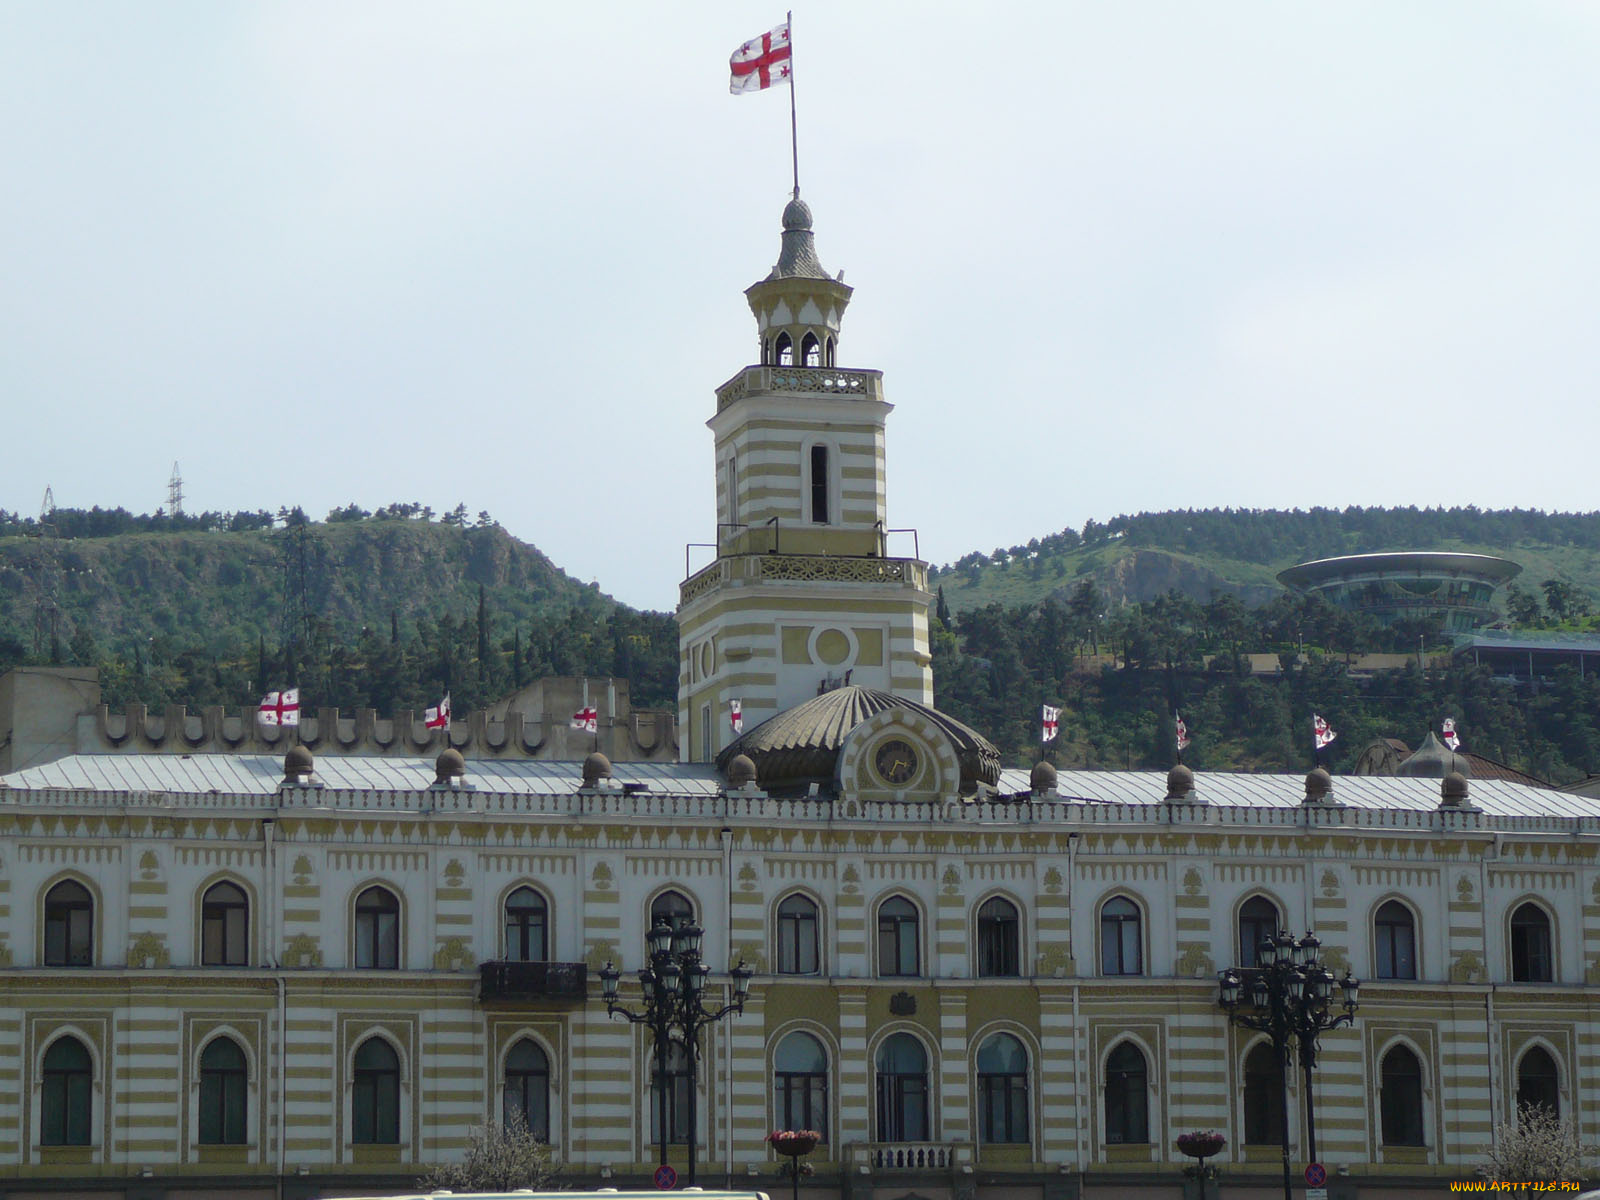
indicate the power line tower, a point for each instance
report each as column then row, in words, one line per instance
column 48, row 505
column 41, row 579
column 175, row 493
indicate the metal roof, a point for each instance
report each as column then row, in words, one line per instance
column 260, row 774
column 1496, row 797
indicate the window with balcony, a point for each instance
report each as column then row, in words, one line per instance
column 999, row 935
column 527, row 1090
column 224, row 1101
column 375, row 1095
column 798, row 943
column 224, row 926
column 527, row 927
column 378, row 929
column 68, row 925
column 1002, row 1091
column 800, row 1084
column 902, row 1085
column 898, row 953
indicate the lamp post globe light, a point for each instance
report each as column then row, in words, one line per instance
column 673, row 987
column 1289, row 996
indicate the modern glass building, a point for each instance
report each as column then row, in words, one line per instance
column 1453, row 590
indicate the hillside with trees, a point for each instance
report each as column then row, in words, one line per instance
column 1206, row 553
column 385, row 609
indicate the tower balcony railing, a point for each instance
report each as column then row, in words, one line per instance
column 808, row 381
column 805, row 568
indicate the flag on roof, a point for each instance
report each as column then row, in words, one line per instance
column 736, row 715
column 1050, row 720
column 280, row 708
column 586, row 719
column 1450, row 736
column 1321, row 732
column 1182, row 732
column 761, row 62
column 438, row 717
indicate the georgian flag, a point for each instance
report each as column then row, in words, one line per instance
column 761, row 62
column 280, row 708
column 1050, row 720
column 1448, row 729
column 736, row 715
column 1182, row 732
column 1321, row 734
column 586, row 719
column 438, row 717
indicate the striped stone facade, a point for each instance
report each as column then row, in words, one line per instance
column 299, row 1007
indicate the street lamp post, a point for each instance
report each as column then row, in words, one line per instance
column 673, row 986
column 1290, row 999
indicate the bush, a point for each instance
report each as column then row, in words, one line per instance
column 499, row 1158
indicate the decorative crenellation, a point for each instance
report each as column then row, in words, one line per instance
column 642, row 735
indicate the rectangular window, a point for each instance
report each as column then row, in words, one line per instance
column 705, row 733
column 819, row 485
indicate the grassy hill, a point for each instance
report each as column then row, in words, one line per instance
column 1206, row 554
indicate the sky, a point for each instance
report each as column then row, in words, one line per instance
column 1110, row 257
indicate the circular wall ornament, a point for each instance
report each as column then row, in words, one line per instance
column 896, row 762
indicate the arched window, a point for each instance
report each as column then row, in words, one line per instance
column 224, row 926
column 1258, row 919
column 897, row 938
column 731, row 482
column 1127, row 1096
column 999, row 931
column 224, row 1101
column 1263, row 1097
column 68, row 926
column 1394, row 939
column 677, row 1091
column 66, row 1100
column 1400, row 1098
column 828, row 351
column 378, row 929
column 527, row 930
column 1002, row 1090
column 672, row 907
column 785, row 350
column 375, row 1095
column 1531, row 961
column 1120, row 938
column 800, row 1084
column 527, row 1092
column 902, row 1066
column 1538, row 1082
column 811, row 350
column 819, row 484
column 797, row 944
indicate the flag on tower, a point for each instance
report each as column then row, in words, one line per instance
column 1321, row 734
column 280, row 708
column 736, row 715
column 437, row 717
column 1182, row 732
column 586, row 719
column 761, row 62
column 1050, row 720
column 1451, row 737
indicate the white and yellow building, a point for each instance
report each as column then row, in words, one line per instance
column 253, row 975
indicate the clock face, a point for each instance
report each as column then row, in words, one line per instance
column 896, row 762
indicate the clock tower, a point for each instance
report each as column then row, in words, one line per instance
column 804, row 594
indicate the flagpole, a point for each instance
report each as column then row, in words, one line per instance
column 794, row 134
